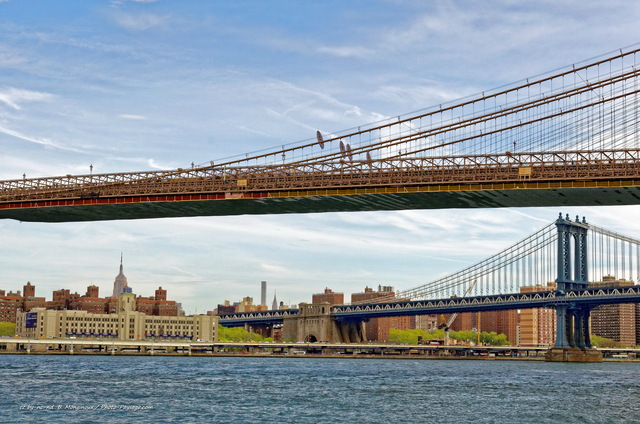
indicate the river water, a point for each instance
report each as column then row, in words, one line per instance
column 106, row 389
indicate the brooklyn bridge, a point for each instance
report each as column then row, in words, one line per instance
column 563, row 139
column 566, row 138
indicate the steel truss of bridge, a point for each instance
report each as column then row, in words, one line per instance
column 567, row 138
column 584, row 297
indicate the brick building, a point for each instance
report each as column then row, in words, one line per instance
column 427, row 322
column 502, row 322
column 377, row 329
column 223, row 309
column 527, row 327
column 538, row 325
column 328, row 297
column 246, row 305
column 158, row 305
column 617, row 322
column 12, row 302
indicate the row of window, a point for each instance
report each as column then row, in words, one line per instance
column 90, row 319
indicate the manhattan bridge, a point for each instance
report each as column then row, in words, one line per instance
column 566, row 138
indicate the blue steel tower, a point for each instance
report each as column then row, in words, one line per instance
column 572, row 322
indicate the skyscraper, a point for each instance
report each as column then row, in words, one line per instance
column 263, row 294
column 120, row 284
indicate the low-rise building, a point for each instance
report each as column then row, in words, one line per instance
column 125, row 324
column 12, row 302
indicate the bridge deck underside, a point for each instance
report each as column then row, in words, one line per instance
column 346, row 200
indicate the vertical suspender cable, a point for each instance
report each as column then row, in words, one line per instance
column 622, row 260
column 616, row 270
column 630, row 261
column 608, row 255
column 637, row 263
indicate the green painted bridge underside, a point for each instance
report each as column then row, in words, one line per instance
column 333, row 203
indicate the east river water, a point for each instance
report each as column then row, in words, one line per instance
column 106, row 389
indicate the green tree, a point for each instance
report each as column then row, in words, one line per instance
column 468, row 336
column 493, row 339
column 7, row 329
column 437, row 333
column 237, row 334
column 464, row 336
column 598, row 341
column 410, row 337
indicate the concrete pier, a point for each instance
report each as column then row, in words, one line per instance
column 573, row 354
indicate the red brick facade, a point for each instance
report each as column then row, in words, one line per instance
column 11, row 303
column 328, row 297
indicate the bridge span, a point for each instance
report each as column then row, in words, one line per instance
column 519, row 277
column 567, row 138
column 543, row 299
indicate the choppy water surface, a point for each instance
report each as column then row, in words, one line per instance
column 92, row 389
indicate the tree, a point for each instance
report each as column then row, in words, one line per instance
column 491, row 339
column 464, row 336
column 598, row 341
column 410, row 337
column 237, row 334
column 494, row 339
column 7, row 329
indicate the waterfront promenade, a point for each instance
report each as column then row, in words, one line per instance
column 20, row 345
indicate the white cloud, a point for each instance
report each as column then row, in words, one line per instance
column 274, row 269
column 132, row 117
column 128, row 163
column 13, row 167
column 9, row 57
column 155, row 165
column 122, row 2
column 140, row 21
column 14, row 97
column 42, row 141
column 345, row 51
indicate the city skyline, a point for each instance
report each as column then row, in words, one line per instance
column 133, row 85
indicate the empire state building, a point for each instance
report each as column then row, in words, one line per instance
column 120, row 284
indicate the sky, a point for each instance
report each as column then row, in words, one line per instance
column 146, row 85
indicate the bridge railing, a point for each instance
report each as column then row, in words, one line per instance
column 480, row 169
column 579, row 123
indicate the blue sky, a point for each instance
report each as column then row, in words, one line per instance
column 144, row 85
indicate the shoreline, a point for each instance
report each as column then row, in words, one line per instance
column 325, row 356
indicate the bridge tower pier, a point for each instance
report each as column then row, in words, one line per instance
column 573, row 343
column 349, row 331
column 314, row 323
column 265, row 330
